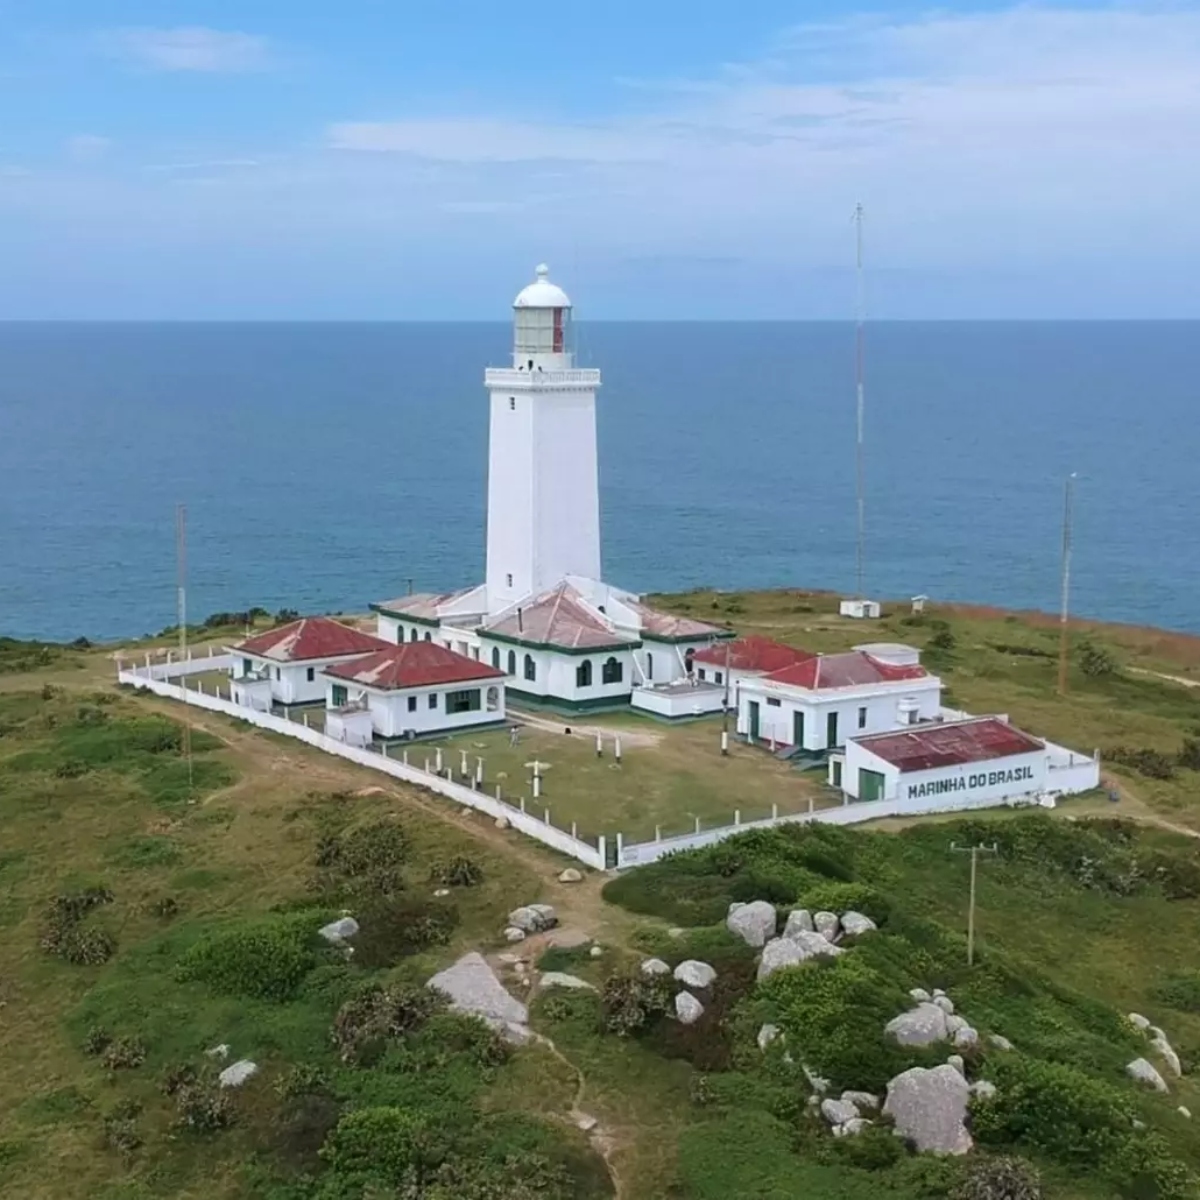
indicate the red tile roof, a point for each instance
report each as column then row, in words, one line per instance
column 753, row 653
column 560, row 617
column 411, row 665
column 310, row 638
column 930, row 746
column 668, row 625
column 852, row 669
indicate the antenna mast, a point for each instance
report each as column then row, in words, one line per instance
column 181, row 614
column 859, row 354
column 1064, row 611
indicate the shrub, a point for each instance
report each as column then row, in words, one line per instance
column 165, row 908
column 875, row 1148
column 458, row 871
column 123, row 1053
column 121, row 1133
column 1154, row 764
column 204, row 1106
column 389, row 931
column 63, row 935
column 1000, row 1179
column 564, row 958
column 365, row 849
column 366, row 1022
column 302, row 1126
column 708, row 1042
column 392, row 1143
column 1189, row 754
column 1180, row 991
column 834, row 1012
column 843, row 897
column 266, row 959
column 1095, row 661
column 300, row 1080
column 631, row 1000
column 96, row 1041
column 943, row 639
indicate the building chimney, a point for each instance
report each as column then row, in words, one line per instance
column 520, row 621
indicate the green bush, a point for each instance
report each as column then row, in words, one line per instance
column 564, row 958
column 366, row 860
column 1180, row 991
column 1189, row 754
column 833, row 1013
column 368, row 1021
column 1154, row 764
column 459, row 871
column 123, row 1053
column 631, row 1000
column 1095, row 661
column 301, row 1080
column 1000, row 1179
column 846, row 897
column 394, row 1144
column 390, row 930
column 265, row 958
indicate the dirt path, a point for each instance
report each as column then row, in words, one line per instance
column 1182, row 680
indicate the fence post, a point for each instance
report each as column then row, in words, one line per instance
column 199, row 686
column 404, row 756
column 383, row 749
column 810, row 804
column 737, row 816
column 620, row 847
column 437, row 759
column 546, row 815
column 498, row 793
column 522, row 803
column 697, row 824
column 427, row 764
column 658, row 833
column 304, row 717
column 774, row 812
column 602, row 848
column 574, row 831
column 168, row 658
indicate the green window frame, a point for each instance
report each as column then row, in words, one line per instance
column 338, row 696
column 583, row 674
column 613, row 671
column 467, row 700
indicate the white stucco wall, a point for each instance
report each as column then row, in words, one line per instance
column 677, row 703
column 555, row 673
column 994, row 779
column 883, row 704
column 290, row 682
column 392, row 718
column 668, row 660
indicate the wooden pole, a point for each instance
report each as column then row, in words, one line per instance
column 1064, row 612
column 975, row 852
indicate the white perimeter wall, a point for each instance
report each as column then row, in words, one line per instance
column 153, row 678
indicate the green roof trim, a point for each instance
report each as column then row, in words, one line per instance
column 433, row 622
column 721, row 634
column 577, row 650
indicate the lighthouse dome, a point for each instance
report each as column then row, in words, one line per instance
column 542, row 293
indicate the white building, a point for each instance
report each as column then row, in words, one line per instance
column 822, row 700
column 542, row 613
column 982, row 758
column 405, row 691
column 284, row 665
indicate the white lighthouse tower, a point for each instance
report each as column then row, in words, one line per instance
column 543, row 521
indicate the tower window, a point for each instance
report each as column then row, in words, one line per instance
column 530, row 667
column 612, row 671
column 583, row 674
column 508, row 579
column 512, row 662
column 512, row 404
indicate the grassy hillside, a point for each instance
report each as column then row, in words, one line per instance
column 147, row 919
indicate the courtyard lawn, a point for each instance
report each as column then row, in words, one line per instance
column 669, row 776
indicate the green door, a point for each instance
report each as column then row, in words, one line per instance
column 798, row 728
column 753, row 720
column 831, row 738
column 339, row 696
column 837, row 773
column 870, row 785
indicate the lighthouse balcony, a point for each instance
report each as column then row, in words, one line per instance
column 585, row 379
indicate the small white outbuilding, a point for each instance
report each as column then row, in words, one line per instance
column 409, row 690
column 284, row 665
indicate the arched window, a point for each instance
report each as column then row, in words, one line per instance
column 496, row 657
column 512, row 662
column 583, row 674
column 412, row 634
column 613, row 672
column 493, row 698
column 530, row 668
column 429, row 637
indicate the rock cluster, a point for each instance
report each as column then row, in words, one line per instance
column 754, row 923
column 1145, row 1072
column 844, row 1115
column 688, row 1009
column 237, row 1074
column 933, row 1019
column 695, row 974
column 551, row 979
column 1159, row 1041
column 338, row 932
column 533, row 918
column 655, row 966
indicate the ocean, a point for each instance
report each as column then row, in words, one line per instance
column 325, row 465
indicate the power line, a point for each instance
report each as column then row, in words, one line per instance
column 974, row 852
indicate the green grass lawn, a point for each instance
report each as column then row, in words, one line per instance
column 669, row 776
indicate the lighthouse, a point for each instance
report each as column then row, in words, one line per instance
column 543, row 518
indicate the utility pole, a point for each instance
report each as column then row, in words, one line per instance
column 1064, row 611
column 181, row 616
column 974, row 852
column 725, row 705
column 859, row 365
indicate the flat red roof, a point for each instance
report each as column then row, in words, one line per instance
column 752, row 653
column 412, row 665
column 851, row 669
column 926, row 747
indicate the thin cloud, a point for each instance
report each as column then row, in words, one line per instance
column 190, row 48
column 215, row 164
column 87, row 147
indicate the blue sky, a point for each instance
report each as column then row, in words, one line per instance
column 251, row 160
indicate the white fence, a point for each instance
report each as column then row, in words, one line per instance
column 152, row 677
column 853, row 813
